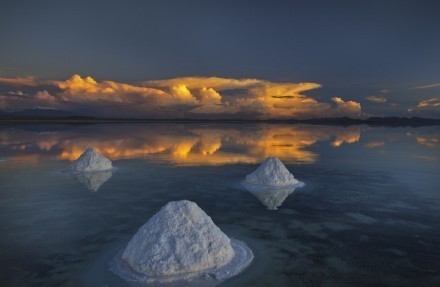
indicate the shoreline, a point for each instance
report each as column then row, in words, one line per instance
column 386, row 121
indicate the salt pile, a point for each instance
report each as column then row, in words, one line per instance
column 272, row 198
column 271, row 172
column 178, row 244
column 93, row 181
column 91, row 161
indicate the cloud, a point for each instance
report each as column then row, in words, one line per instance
column 44, row 96
column 432, row 104
column 19, row 82
column 184, row 97
column 374, row 144
column 198, row 82
column 349, row 108
column 428, row 86
column 375, row 99
column 19, row 100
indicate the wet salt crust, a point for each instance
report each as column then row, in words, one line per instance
column 178, row 244
column 90, row 161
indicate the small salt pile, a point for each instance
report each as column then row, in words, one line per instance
column 90, row 161
column 178, row 244
column 271, row 172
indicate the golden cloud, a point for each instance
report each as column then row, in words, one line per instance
column 78, row 89
column 190, row 97
column 430, row 104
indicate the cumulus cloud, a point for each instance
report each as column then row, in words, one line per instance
column 19, row 100
column 375, row 99
column 186, row 97
column 350, row 108
column 45, row 96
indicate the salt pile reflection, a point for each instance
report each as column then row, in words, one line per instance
column 272, row 197
column 92, row 181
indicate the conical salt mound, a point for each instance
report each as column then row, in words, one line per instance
column 180, row 242
column 180, row 238
column 91, row 160
column 271, row 172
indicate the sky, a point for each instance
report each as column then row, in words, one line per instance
column 221, row 59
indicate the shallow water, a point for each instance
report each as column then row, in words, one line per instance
column 369, row 214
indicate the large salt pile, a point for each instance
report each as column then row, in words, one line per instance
column 93, row 181
column 271, row 172
column 180, row 243
column 91, row 160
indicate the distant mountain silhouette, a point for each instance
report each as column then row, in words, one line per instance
column 61, row 116
column 39, row 112
column 382, row 121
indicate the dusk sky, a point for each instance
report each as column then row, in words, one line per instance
column 221, row 59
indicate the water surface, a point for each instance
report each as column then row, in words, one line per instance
column 369, row 214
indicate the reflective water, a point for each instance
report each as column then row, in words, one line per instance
column 369, row 214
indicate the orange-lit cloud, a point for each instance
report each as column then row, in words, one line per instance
column 20, row 82
column 430, row 104
column 183, row 97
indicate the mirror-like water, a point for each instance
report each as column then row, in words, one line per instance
column 369, row 214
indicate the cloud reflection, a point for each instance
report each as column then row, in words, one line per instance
column 181, row 144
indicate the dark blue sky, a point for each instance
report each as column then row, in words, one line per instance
column 354, row 49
